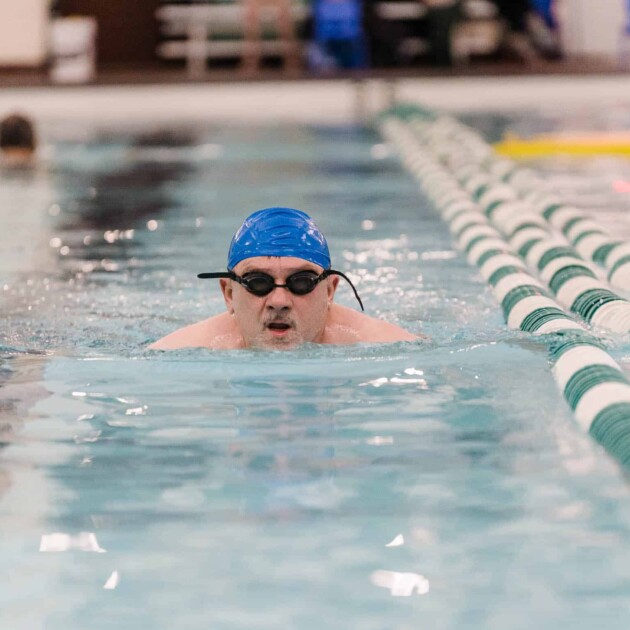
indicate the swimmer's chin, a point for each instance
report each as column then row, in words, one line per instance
column 291, row 341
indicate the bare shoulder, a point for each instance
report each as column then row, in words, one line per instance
column 216, row 333
column 346, row 325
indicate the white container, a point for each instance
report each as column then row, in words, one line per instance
column 73, row 50
column 24, row 32
column 591, row 27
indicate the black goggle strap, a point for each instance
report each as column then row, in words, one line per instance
column 232, row 276
column 333, row 272
column 229, row 275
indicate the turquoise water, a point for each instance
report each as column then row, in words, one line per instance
column 440, row 484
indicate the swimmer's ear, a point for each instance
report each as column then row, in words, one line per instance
column 331, row 287
column 226, row 289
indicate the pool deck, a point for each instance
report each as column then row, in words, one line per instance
column 271, row 95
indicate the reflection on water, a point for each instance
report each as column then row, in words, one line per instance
column 21, row 376
column 98, row 224
column 440, row 484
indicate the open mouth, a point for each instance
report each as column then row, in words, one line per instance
column 278, row 328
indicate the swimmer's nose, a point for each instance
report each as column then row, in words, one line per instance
column 279, row 298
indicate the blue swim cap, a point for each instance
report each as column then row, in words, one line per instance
column 279, row 232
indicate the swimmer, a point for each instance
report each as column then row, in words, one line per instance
column 278, row 290
column 17, row 141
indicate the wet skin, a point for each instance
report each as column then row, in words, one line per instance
column 281, row 320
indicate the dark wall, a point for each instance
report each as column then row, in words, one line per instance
column 127, row 29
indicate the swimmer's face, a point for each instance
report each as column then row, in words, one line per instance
column 17, row 157
column 280, row 319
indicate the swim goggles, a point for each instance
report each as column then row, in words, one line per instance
column 299, row 283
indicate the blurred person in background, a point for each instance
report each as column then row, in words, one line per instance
column 532, row 28
column 253, row 34
column 18, row 141
column 442, row 15
column 339, row 41
column 389, row 37
column 529, row 30
column 543, row 28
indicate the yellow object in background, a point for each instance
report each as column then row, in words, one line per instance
column 579, row 144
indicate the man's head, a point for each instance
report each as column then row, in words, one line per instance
column 279, row 246
column 17, row 139
column 279, row 285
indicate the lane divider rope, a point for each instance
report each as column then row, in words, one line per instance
column 593, row 384
column 590, row 239
column 575, row 282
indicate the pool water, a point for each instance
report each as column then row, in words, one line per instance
column 442, row 483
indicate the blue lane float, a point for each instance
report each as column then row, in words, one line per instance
column 501, row 234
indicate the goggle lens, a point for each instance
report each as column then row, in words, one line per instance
column 302, row 283
column 258, row 285
column 299, row 283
